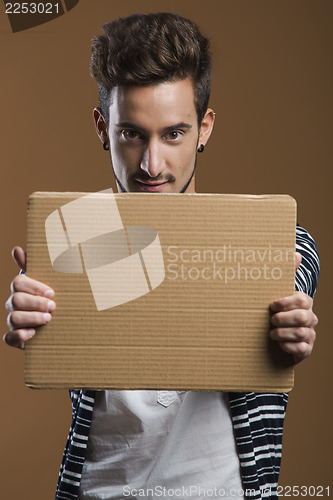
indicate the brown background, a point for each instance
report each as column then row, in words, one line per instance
column 272, row 94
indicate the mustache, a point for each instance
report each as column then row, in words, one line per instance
column 158, row 178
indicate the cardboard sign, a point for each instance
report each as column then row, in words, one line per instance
column 160, row 291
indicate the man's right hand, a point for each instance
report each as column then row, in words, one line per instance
column 28, row 306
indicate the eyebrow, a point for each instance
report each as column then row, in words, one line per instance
column 140, row 129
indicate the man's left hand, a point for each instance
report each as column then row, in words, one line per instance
column 293, row 323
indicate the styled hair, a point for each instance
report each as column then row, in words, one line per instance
column 146, row 49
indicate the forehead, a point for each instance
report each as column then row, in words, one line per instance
column 163, row 103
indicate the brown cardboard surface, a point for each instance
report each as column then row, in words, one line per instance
column 201, row 323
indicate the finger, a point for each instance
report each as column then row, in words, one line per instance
column 299, row 300
column 21, row 301
column 302, row 334
column 298, row 260
column 23, row 319
column 9, row 304
column 297, row 317
column 19, row 256
column 17, row 338
column 300, row 350
column 23, row 283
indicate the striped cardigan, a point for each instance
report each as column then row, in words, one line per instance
column 257, row 418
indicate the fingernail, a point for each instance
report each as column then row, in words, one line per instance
column 47, row 317
column 49, row 293
column 31, row 333
column 51, row 306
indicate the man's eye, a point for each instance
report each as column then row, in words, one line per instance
column 174, row 134
column 130, row 134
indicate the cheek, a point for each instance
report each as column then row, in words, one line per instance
column 186, row 159
column 124, row 159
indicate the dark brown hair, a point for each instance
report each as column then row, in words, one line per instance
column 145, row 49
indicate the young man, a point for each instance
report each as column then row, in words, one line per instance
column 153, row 74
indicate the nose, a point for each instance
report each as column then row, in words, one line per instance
column 152, row 161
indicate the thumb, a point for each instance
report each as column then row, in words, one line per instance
column 20, row 257
column 298, row 260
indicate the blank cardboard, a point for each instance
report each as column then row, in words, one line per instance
column 199, row 321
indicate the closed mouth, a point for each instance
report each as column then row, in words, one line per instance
column 151, row 186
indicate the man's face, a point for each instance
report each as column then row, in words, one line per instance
column 153, row 136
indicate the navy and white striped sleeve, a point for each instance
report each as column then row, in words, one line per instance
column 307, row 275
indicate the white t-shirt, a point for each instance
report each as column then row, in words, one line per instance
column 161, row 444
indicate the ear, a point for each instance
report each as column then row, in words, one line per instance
column 100, row 125
column 206, row 127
